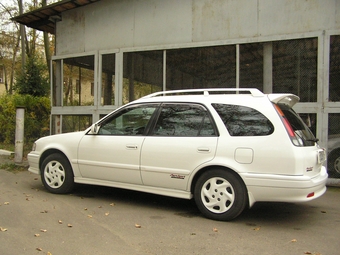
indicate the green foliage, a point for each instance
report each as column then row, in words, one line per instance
column 34, row 80
column 37, row 115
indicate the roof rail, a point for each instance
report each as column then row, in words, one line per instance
column 205, row 92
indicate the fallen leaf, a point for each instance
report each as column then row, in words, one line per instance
column 112, row 204
column 323, row 212
column 45, row 211
column 90, row 216
column 43, row 230
column 215, row 229
column 138, row 226
column 100, row 206
column 106, row 214
column 307, row 252
column 39, row 249
column 36, row 235
column 60, row 222
column 257, row 229
column 85, row 209
column 48, row 253
column 69, row 225
column 3, row 229
column 293, row 241
column 192, row 234
column 6, row 203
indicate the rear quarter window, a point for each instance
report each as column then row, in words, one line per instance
column 244, row 121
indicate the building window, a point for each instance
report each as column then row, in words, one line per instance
column 295, row 68
column 78, row 73
column 251, row 65
column 334, row 68
column 108, row 79
column 142, row 74
column 203, row 67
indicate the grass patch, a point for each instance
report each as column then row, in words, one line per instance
column 13, row 168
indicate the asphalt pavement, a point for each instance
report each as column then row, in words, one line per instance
column 102, row 220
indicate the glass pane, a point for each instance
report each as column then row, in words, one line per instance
column 205, row 67
column 108, row 79
column 78, row 80
column 295, row 68
column 334, row 69
column 129, row 121
column 73, row 123
column 251, row 66
column 183, row 120
column 244, row 121
column 142, row 74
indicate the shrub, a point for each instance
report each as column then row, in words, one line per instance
column 37, row 115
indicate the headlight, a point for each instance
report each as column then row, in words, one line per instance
column 34, row 146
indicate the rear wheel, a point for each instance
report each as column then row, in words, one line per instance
column 56, row 174
column 220, row 195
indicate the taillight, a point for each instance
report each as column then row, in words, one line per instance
column 287, row 125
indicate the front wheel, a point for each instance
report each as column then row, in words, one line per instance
column 56, row 174
column 220, row 195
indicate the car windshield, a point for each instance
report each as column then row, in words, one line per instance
column 302, row 132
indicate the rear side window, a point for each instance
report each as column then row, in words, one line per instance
column 244, row 121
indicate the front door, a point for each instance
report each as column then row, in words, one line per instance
column 114, row 153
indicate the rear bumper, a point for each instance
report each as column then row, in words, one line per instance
column 281, row 188
column 33, row 160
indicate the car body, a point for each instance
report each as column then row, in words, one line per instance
column 226, row 148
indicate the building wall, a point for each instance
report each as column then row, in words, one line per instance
column 131, row 23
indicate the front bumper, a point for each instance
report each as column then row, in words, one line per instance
column 33, row 160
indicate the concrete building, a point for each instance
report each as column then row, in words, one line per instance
column 109, row 52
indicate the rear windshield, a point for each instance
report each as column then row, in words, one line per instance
column 302, row 132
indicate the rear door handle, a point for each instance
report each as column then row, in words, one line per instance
column 131, row 147
column 203, row 149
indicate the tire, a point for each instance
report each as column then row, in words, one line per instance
column 220, row 195
column 333, row 165
column 56, row 174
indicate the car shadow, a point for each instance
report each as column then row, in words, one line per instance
column 260, row 213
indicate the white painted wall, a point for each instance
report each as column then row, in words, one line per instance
column 114, row 24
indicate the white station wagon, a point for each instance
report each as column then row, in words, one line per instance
column 226, row 148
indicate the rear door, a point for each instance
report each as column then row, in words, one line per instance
column 183, row 138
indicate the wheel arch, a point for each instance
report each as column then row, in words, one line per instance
column 48, row 152
column 208, row 168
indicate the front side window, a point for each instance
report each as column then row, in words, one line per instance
column 184, row 120
column 244, row 121
column 129, row 121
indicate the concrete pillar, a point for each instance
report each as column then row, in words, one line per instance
column 19, row 134
column 267, row 67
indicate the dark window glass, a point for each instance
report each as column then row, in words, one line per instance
column 183, row 120
column 295, row 68
column 129, row 121
column 302, row 132
column 244, row 121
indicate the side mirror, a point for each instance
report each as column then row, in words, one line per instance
column 95, row 129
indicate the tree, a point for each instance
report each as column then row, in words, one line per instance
column 34, row 79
